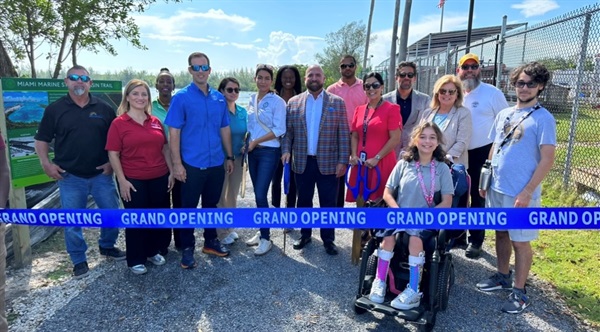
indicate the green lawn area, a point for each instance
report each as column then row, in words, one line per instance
column 588, row 126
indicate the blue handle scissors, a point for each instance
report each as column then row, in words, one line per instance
column 362, row 177
column 286, row 178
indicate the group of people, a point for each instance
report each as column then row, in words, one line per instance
column 152, row 148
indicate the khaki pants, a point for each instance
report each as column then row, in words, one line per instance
column 3, row 322
column 229, row 194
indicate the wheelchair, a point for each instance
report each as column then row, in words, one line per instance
column 438, row 277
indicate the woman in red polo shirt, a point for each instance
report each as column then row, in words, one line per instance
column 139, row 155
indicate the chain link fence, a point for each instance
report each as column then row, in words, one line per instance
column 569, row 46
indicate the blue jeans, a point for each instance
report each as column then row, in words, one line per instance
column 74, row 192
column 262, row 163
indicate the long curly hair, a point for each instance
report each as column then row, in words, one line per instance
column 412, row 152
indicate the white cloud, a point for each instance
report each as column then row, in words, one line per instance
column 221, row 43
column 531, row 8
column 380, row 48
column 286, row 48
column 243, row 46
column 176, row 38
column 257, row 40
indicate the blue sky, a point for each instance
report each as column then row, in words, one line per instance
column 243, row 33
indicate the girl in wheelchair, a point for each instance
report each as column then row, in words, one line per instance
column 422, row 180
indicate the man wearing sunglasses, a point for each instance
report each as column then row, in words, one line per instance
column 411, row 101
column 200, row 142
column 350, row 89
column 522, row 155
column 78, row 123
column 484, row 101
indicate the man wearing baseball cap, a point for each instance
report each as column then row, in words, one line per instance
column 484, row 101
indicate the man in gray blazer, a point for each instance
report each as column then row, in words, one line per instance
column 411, row 101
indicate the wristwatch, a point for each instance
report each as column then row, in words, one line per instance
column 232, row 158
column 378, row 157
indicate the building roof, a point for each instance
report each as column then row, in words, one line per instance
column 440, row 40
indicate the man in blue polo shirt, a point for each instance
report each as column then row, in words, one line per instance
column 199, row 132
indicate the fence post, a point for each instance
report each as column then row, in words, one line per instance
column 575, row 113
column 429, row 61
column 501, row 57
column 447, row 69
column 524, row 44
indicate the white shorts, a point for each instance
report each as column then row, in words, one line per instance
column 494, row 199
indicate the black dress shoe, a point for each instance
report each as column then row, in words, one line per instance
column 331, row 249
column 301, row 242
column 473, row 251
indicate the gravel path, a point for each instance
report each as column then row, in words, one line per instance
column 296, row 291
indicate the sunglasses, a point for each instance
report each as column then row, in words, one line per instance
column 374, row 85
column 232, row 90
column 522, row 84
column 410, row 75
column 472, row 67
column 83, row 78
column 344, row 66
column 200, row 67
column 447, row 92
column 264, row 66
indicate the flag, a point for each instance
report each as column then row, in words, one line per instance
column 441, row 4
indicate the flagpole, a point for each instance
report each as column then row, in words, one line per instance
column 442, row 18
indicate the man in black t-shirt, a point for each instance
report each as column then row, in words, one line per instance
column 78, row 123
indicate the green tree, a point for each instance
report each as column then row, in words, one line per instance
column 349, row 39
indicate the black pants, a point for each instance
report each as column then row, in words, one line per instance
column 142, row 243
column 208, row 183
column 276, row 188
column 477, row 158
column 165, row 241
column 327, row 189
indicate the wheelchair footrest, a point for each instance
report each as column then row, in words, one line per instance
column 411, row 315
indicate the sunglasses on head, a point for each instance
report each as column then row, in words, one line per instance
column 472, row 67
column 200, row 67
column 403, row 75
column 447, row 92
column 232, row 90
column 522, row 84
column 344, row 66
column 374, row 85
column 264, row 66
column 83, row 78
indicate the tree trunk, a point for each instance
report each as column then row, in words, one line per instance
column 392, row 68
column 74, row 48
column 7, row 69
column 402, row 53
column 30, row 47
column 365, row 59
column 61, row 51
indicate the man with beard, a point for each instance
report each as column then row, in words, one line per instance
column 317, row 140
column 78, row 123
column 522, row 154
column 411, row 101
column 350, row 89
column 484, row 101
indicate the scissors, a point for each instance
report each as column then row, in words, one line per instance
column 286, row 178
column 362, row 177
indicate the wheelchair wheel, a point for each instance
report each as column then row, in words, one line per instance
column 445, row 282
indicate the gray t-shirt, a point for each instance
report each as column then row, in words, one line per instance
column 410, row 194
column 519, row 157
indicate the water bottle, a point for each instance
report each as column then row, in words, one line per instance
column 485, row 179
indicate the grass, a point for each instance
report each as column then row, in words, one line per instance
column 587, row 126
column 569, row 260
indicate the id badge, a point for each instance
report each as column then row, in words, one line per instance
column 495, row 160
column 362, row 156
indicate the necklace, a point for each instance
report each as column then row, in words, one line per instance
column 164, row 105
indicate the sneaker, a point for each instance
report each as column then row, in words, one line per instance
column 139, row 269
column 408, row 299
column 378, row 291
column 496, row 282
column 230, row 238
column 113, row 253
column 473, row 251
column 157, row 260
column 255, row 240
column 187, row 258
column 517, row 302
column 214, row 247
column 263, row 248
column 80, row 270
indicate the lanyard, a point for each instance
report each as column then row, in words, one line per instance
column 508, row 136
column 366, row 121
column 428, row 196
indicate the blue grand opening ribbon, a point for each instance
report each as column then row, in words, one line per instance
column 352, row 218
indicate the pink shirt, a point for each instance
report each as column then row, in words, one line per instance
column 353, row 96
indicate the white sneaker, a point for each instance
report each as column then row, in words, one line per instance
column 408, row 299
column 138, row 269
column 377, row 291
column 255, row 240
column 263, row 247
column 230, row 238
column 157, row 260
